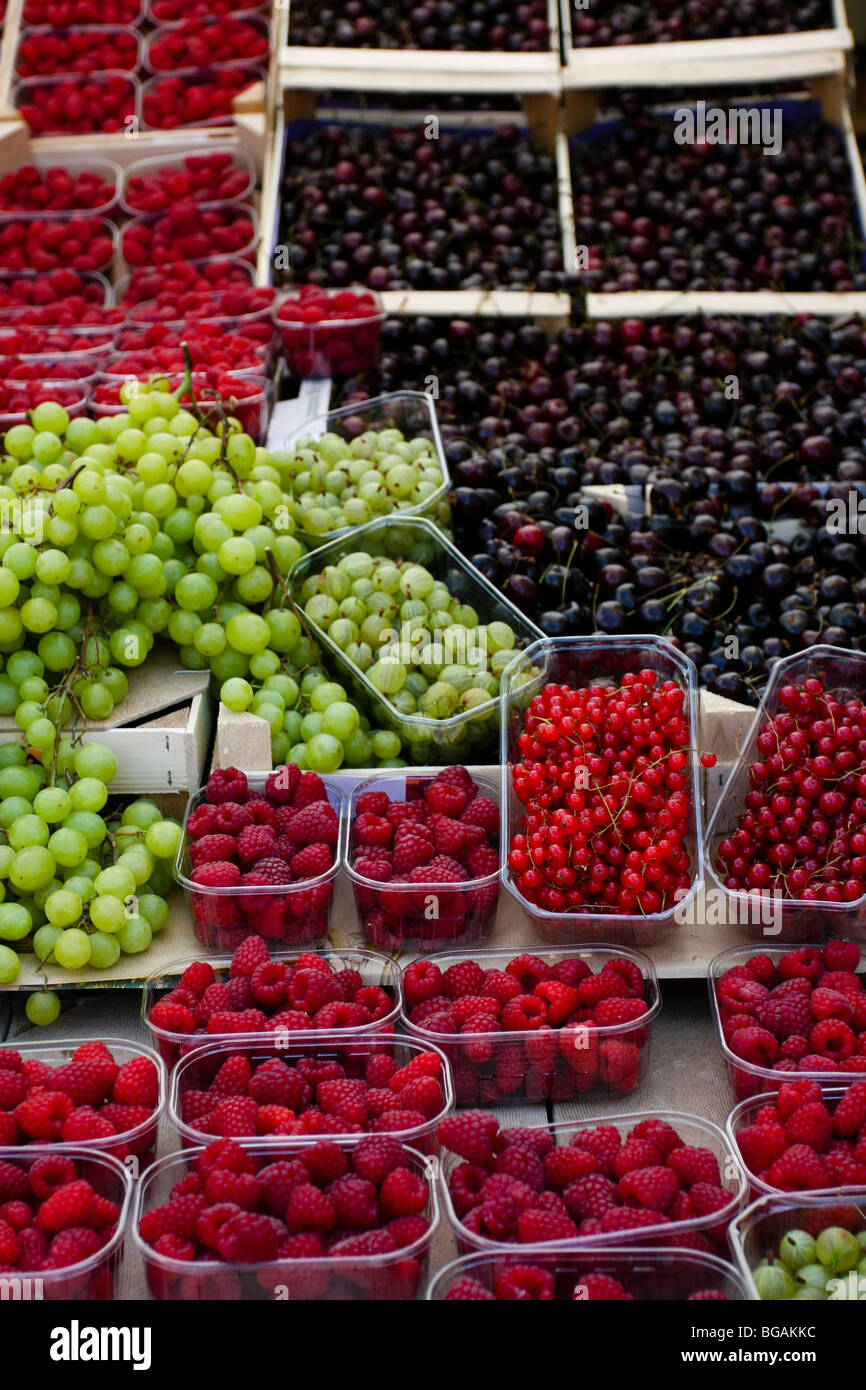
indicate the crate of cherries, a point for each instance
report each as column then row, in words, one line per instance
column 524, row 1028
column 260, row 855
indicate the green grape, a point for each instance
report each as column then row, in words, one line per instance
column 72, row 949
column 324, row 753
column 104, row 950
column 68, row 845
column 163, row 838
column 50, row 416
column 115, row 881
column 10, row 965
column 62, row 908
column 141, row 814
column 28, row 830
column 134, row 936
column 107, row 913
column 44, row 940
column 42, row 1007
column 77, row 883
column 386, row 745
column 91, row 826
column 340, row 720
column 12, row 808
column 15, row 922
column 139, row 863
column 236, row 694
column 154, row 910
column 52, row 804
column 94, row 760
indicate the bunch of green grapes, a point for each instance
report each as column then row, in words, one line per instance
column 337, row 483
column 153, row 523
column 84, row 885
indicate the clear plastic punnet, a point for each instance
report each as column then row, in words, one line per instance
column 745, row 1114
column 578, row 662
column 396, row 1276
column 373, row 968
column 757, row 1233
column 461, row 737
column 843, row 674
column 329, row 347
column 196, row 1072
column 531, row 1067
column 648, row 1274
column 421, row 916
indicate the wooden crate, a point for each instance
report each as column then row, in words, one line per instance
column 580, row 116
column 160, row 734
column 760, row 57
column 383, row 69
column 501, row 303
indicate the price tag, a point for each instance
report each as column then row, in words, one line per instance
column 289, row 419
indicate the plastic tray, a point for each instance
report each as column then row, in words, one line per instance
column 257, row 21
column 89, row 1280
column 692, row 1129
column 150, row 219
column 330, row 347
column 105, row 169
column 844, row 674
column 94, row 32
column 421, row 916
column 197, row 1070
column 651, row 1274
column 139, row 1140
column 485, row 1066
column 757, row 1231
column 425, row 740
column 397, row 1276
column 373, row 968
column 210, row 907
column 577, row 661
column 411, row 412
column 744, row 1114
column 108, row 230
column 242, row 273
column 23, row 89
column 144, row 168
column 747, row 1078
column 204, row 76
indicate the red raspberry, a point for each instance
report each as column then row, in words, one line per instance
column 261, row 812
column 604, row 985
column 841, row 955
column 310, row 990
column 798, row 1170
column 232, row 818
column 619, row 1064
column 612, row 1011
column 590, row 1196
column 281, row 786
column 849, row 1115
column 761, row 1145
column 276, row 1181
column 347, row 1099
column 538, row 1227
column 276, row 1084
column 202, row 821
column 372, row 830
column 693, row 1165
column 137, row 1083
column 467, row 1290
column 804, row 963
column 198, row 977
column 755, row 1045
column 566, row 1166
column 529, row 971
column 447, row 797
column 173, row 1247
column 172, row 1018
column 311, row 789
column 422, row 980
column 309, row 1209
column 764, row 970
column 42, row 1114
column 412, row 850
column 784, row 1017
column 240, row 1189
column 792, row 1094
column 830, row 1003
column 425, row 1095
column 269, row 983
column 224, row 1153
column 810, row 1124
column 86, row 1080
column 70, row 1246
column 350, row 983
column 653, row 1187
column 372, row 803
column 315, row 824
column 234, row 1116
column 250, row 1238
column 355, row 1202
column 71, row 1205
column 13, row 1089
column 218, row 875
column 178, row 1218
column 635, row 1153
column 83, row 1124
column 482, row 812
column 248, row 955
column 226, row 784
column 661, row 1135
column 605, row 1142
column 466, row 977
column 601, row 1288
column 325, row 1162
column 233, row 1076
column 501, row 986
column 472, row 1135
column 631, row 1218
column 267, row 873
column 247, row 1021
column 403, row 1193
column 845, row 1169
column 401, row 811
column 833, row 1039
column 256, row 842
column 312, row 861
column 211, row 849
column 341, row 1015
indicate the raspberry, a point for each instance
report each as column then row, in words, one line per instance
column 804, row 964
column 224, row 1153
column 13, row 1089
column 601, row 1288
column 276, row 1181
column 218, row 875
column 234, row 1116
column 198, row 977
column 84, row 1123
column 372, row 803
column 247, row 1021
column 268, row 873
column 565, row 1166
column 325, row 1162
column 310, row 990
column 537, row 1227
column 447, row 797
column 311, row 789
column 232, row 817
column 344, row 1098
column 350, row 983
column 261, row 812
column 233, row 1077
column 635, row 1153
column 755, row 1045
column 653, row 1187
column 240, row 1189
column 172, row 1018
column 619, row 1064
column 42, row 1114
column 440, row 869
column 849, row 1116
column 309, row 1210
column 273, row 1083
column 482, row 861
column 829, row 1003
column 256, row 842
column 211, row 849
column 412, row 850
column 312, row 861
column 372, row 831
column 631, row 1218
column 810, row 1124
column 88, row 1077
column 605, row 1143
column 315, row 824
column 269, row 983
column 764, row 970
column 70, row 1246
column 355, row 1203
column 841, row 955
column 612, row 1011
column 792, row 1094
column 248, row 955
column 226, row 784
column 137, row 1083
column 798, row 1170
column 590, row 1196
column 465, row 977
column 250, row 1238
column 784, row 1017
column 833, row 1039
column 403, row 1193
column 202, row 821
column 174, row 1248
column 377, row 1156
column 71, row 1205
column 662, row 1136
column 521, row 1163
column 467, row 1290
column 472, row 1135
column 282, row 785
column 693, row 1165
column 761, row 1145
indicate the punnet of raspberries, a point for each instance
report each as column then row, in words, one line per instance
column 804, row 1138
column 266, row 995
column 426, row 867
column 794, row 1011
column 603, row 774
column 308, row 1219
column 519, row 1186
column 54, row 1214
column 802, row 830
column 513, row 1281
column 251, row 853
column 334, row 1089
column 90, row 1099
column 532, row 1028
